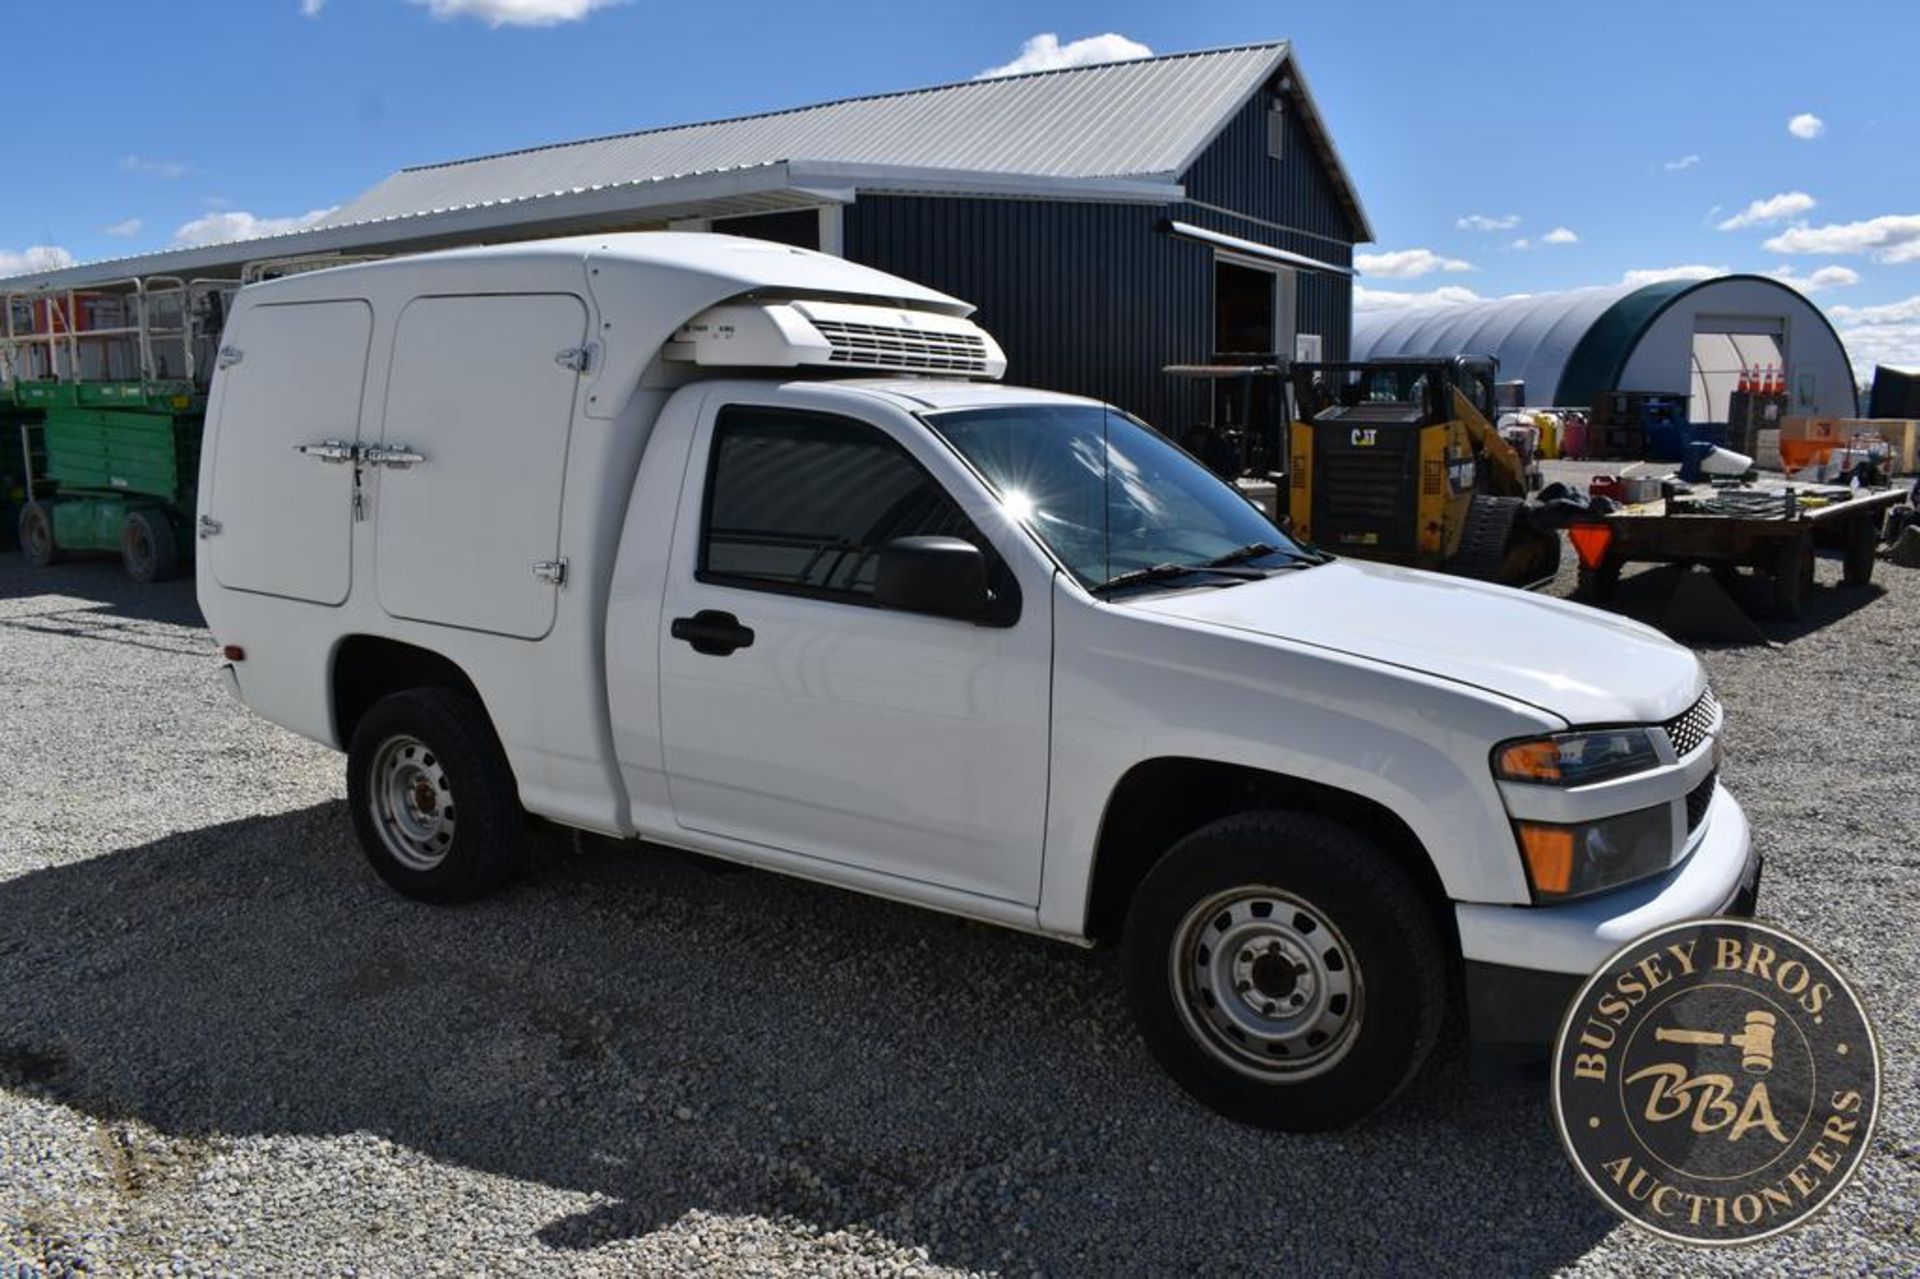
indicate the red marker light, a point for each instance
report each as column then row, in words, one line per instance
column 233, row 653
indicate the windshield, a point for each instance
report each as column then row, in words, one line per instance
column 1107, row 495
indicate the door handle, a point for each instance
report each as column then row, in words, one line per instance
column 398, row 456
column 712, row 632
column 327, row 450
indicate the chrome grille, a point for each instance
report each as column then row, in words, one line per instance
column 1699, row 799
column 879, row 346
column 1689, row 729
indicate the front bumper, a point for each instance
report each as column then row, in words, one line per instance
column 1524, row 964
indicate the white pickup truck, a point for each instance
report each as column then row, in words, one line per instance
column 741, row 550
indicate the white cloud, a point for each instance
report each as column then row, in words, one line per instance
column 1806, row 126
column 1044, row 52
column 1407, row 264
column 515, row 13
column 1560, row 235
column 1893, row 238
column 1826, row 277
column 218, row 228
column 1884, row 334
column 311, row 8
column 41, row 257
column 1483, row 222
column 1365, row 299
column 1774, row 208
column 124, row 230
column 1522, row 243
column 1684, row 162
column 1907, row 312
column 1655, row 275
column 169, row 169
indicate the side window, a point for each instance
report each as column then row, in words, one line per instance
column 802, row 502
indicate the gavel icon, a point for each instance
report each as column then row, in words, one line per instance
column 1755, row 1042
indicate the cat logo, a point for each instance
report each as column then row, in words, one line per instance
column 1364, row 436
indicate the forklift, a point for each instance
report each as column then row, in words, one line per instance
column 1398, row 460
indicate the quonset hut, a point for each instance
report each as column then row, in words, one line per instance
column 1681, row 337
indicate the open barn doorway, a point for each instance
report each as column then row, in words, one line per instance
column 1724, row 346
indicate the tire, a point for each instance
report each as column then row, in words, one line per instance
column 36, row 535
column 1793, row 577
column 433, row 799
column 1340, row 962
column 148, row 549
column 1484, row 541
column 1863, row 540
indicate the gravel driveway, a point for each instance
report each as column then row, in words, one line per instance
column 226, row 1048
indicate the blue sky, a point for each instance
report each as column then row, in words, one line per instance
column 1499, row 147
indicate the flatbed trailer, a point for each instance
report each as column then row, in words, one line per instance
column 1774, row 530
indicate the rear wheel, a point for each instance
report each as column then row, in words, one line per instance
column 1284, row 971
column 148, row 549
column 36, row 534
column 433, row 798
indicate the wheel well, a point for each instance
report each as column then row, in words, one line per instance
column 1161, row 801
column 367, row 668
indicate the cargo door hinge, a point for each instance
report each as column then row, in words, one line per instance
column 230, row 356
column 554, row 571
column 577, row 358
column 208, row 526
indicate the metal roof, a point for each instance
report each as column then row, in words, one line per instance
column 1122, row 132
column 1532, row 336
column 1147, row 117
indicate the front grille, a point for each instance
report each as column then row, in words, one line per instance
column 881, row 346
column 1699, row 799
column 1689, row 729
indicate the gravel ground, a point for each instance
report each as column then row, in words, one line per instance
column 226, row 1048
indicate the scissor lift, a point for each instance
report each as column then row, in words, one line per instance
column 106, row 388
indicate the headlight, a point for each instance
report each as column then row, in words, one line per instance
column 1577, row 759
column 1571, row 861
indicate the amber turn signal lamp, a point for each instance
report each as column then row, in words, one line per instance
column 1549, row 853
column 1535, row 761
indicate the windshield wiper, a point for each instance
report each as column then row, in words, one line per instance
column 1161, row 572
column 1301, row 556
column 1241, row 554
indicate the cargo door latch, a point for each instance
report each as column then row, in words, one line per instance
column 553, row 571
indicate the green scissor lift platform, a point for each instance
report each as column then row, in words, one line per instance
column 107, row 463
column 110, row 467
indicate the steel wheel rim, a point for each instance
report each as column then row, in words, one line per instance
column 139, row 546
column 411, row 802
column 1267, row 984
column 39, row 534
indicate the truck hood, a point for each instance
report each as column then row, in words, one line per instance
column 1586, row 666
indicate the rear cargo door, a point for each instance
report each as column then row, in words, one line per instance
column 472, row 459
column 279, row 504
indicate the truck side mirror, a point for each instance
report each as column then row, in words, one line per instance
column 944, row 576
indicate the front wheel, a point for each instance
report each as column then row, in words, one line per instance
column 433, row 798
column 1285, row 971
